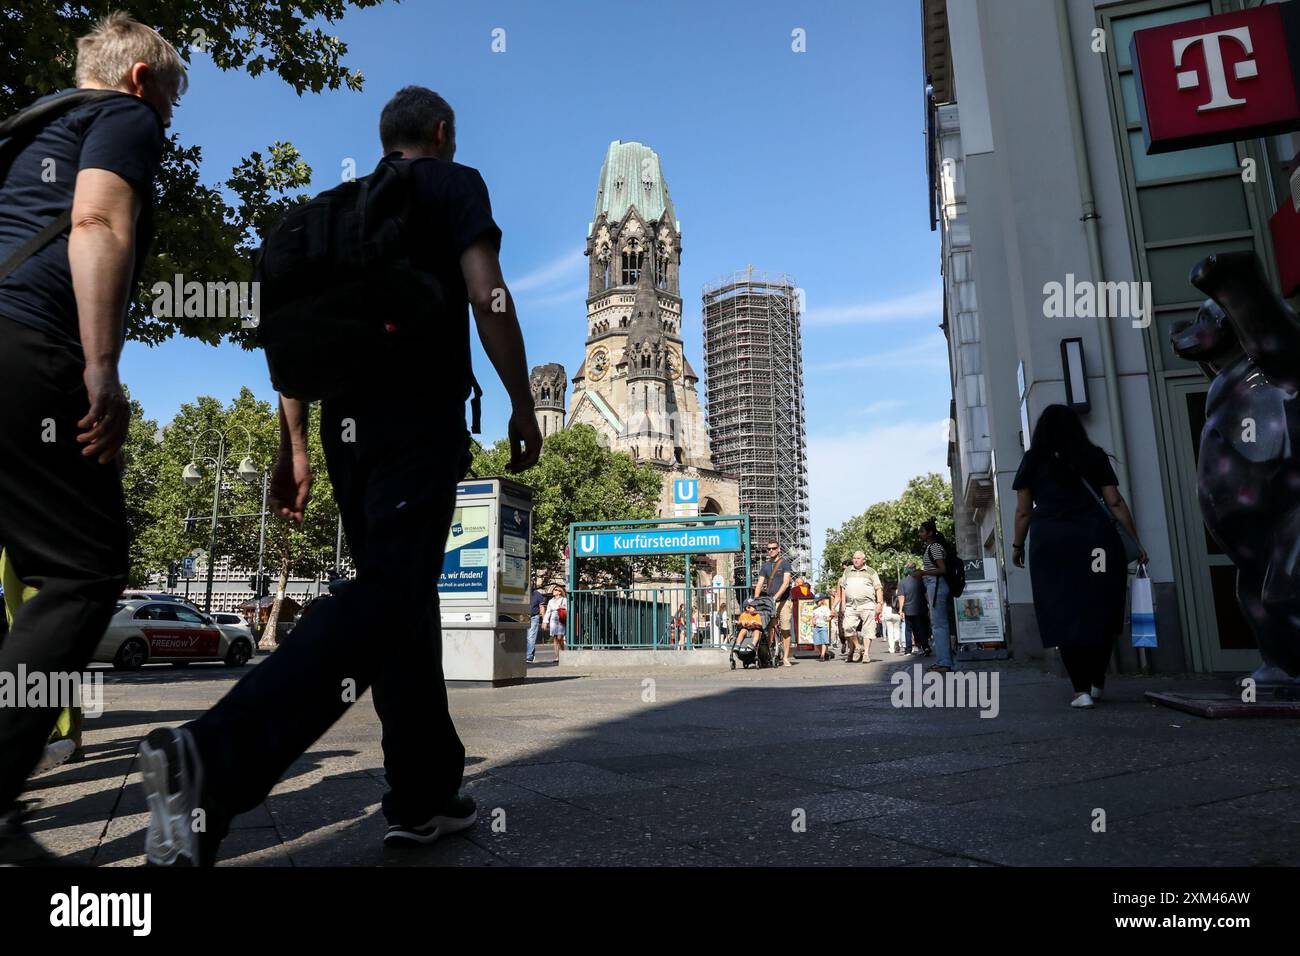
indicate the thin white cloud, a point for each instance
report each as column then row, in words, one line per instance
column 850, row 471
column 927, row 302
column 932, row 352
column 557, row 298
column 884, row 405
column 562, row 270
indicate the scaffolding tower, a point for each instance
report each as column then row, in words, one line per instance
column 753, row 366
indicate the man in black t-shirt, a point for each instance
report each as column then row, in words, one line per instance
column 395, row 450
column 63, row 413
column 774, row 581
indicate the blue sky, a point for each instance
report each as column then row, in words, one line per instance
column 807, row 163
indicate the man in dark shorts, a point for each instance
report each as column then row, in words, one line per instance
column 74, row 232
column 774, row 578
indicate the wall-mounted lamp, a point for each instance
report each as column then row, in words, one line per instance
column 1075, row 371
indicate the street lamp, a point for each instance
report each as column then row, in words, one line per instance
column 192, row 475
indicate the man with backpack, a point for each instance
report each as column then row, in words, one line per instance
column 364, row 301
column 76, row 182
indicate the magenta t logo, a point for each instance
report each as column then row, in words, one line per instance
column 1210, row 43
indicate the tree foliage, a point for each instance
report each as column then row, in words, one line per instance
column 577, row 479
column 886, row 531
column 200, row 234
column 158, row 500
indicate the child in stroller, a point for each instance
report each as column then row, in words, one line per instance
column 752, row 626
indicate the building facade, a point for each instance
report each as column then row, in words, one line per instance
column 1040, row 182
column 753, row 367
column 635, row 386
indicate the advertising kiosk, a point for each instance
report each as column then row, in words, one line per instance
column 484, row 587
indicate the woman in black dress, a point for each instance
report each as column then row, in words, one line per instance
column 1078, row 590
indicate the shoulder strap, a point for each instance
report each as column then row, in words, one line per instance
column 35, row 243
column 22, row 127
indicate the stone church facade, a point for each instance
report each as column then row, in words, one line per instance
column 635, row 386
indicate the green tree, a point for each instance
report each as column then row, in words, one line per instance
column 200, row 234
column 160, row 500
column 143, row 458
column 577, row 479
column 886, row 531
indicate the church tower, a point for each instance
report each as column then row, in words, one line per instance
column 635, row 386
column 548, row 387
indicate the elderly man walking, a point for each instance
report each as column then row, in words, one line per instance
column 863, row 598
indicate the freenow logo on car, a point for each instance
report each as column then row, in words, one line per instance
column 1218, row 79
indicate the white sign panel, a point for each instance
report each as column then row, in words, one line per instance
column 979, row 614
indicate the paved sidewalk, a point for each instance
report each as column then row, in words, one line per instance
column 678, row 768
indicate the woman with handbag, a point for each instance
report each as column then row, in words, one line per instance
column 1082, row 539
column 557, row 618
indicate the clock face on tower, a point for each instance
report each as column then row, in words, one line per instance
column 674, row 364
column 597, row 364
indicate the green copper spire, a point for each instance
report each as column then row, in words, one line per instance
column 632, row 176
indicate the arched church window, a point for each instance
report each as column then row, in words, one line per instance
column 631, row 267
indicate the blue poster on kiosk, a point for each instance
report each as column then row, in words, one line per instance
column 465, row 565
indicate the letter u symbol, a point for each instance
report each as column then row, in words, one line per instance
column 587, row 543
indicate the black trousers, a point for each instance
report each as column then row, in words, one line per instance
column 394, row 478
column 918, row 630
column 63, row 524
column 1087, row 664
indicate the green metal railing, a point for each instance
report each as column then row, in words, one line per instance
column 654, row 618
column 650, row 616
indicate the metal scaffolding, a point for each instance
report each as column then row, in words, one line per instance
column 753, row 367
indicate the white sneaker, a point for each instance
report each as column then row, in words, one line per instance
column 55, row 755
column 1096, row 692
column 1083, row 701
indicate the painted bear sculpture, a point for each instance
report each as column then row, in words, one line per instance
column 1247, row 340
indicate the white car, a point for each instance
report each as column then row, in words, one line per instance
column 234, row 622
column 167, row 632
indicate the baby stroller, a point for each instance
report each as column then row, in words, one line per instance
column 758, row 652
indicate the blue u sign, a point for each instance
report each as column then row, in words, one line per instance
column 686, row 491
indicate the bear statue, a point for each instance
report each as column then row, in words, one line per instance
column 1247, row 340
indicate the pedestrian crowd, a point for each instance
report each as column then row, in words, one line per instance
column 910, row 616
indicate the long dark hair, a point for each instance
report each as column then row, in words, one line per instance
column 1062, row 442
column 932, row 526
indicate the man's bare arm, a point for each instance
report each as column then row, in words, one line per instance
column 101, row 254
column 290, row 484
column 498, row 330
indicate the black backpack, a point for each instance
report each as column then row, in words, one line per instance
column 16, row 133
column 339, row 299
column 956, row 573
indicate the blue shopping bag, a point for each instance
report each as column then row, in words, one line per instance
column 1142, row 612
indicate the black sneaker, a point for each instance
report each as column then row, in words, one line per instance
column 17, row 846
column 459, row 813
column 172, row 776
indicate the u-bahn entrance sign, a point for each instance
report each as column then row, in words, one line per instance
column 642, row 616
column 606, row 544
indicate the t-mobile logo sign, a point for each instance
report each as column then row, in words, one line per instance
column 1218, row 79
column 1247, row 69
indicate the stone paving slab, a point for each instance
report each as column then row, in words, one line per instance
column 805, row 766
